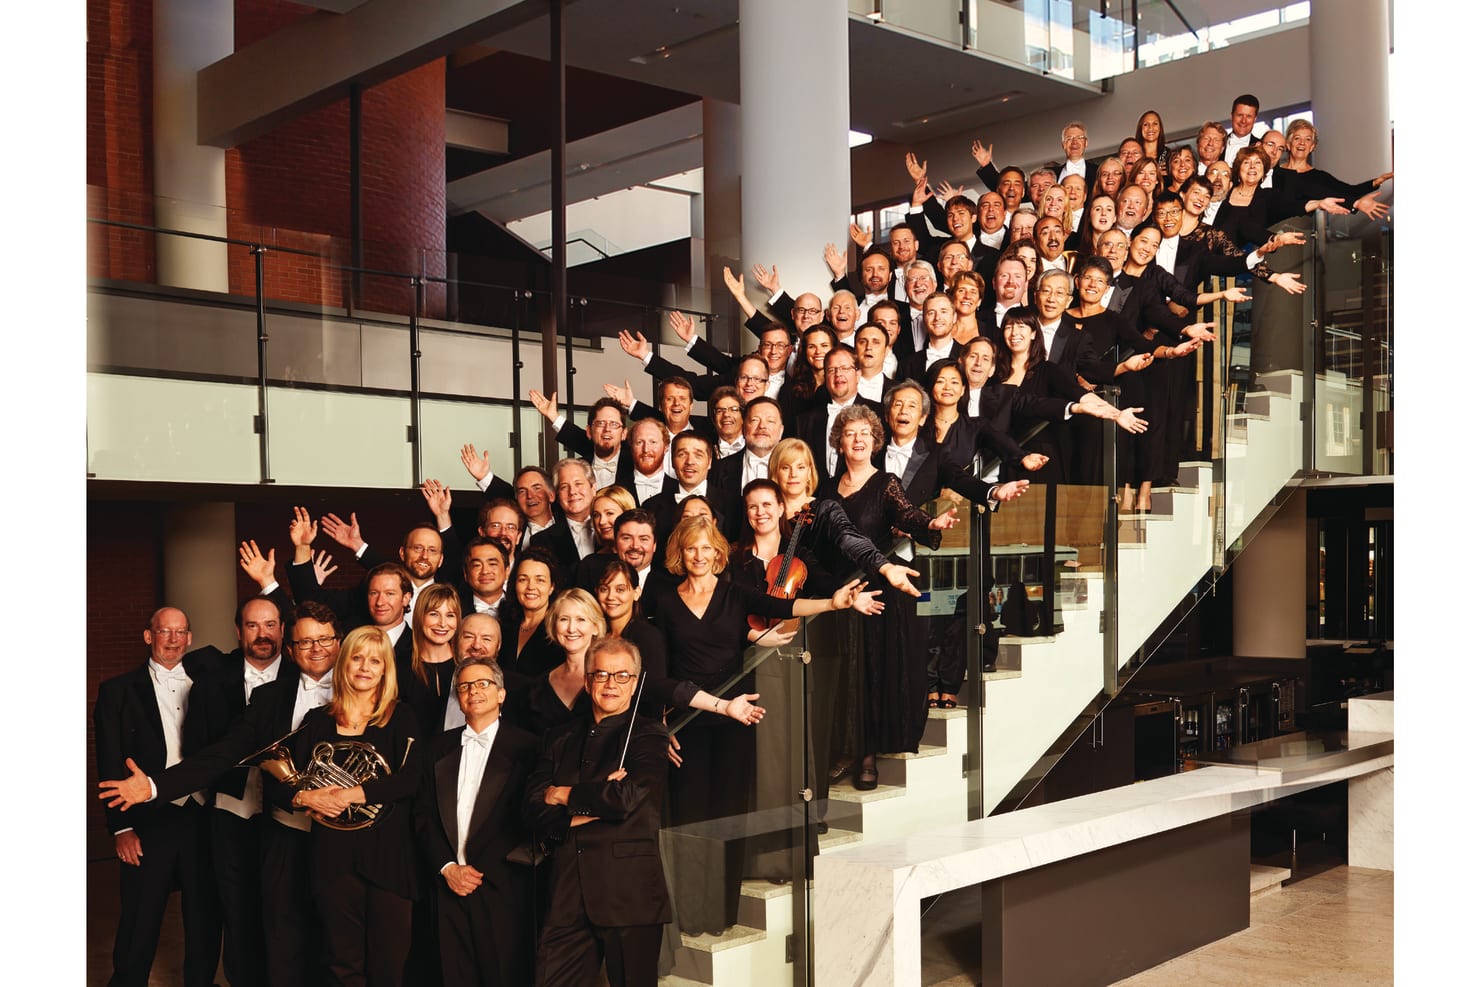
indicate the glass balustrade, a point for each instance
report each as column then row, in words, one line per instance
column 1044, row 608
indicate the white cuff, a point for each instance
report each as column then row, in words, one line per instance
column 270, row 588
column 773, row 298
column 361, row 551
column 487, row 479
column 647, row 358
column 153, row 790
column 1254, row 259
column 688, row 347
column 558, row 423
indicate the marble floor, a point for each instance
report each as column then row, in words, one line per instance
column 1329, row 925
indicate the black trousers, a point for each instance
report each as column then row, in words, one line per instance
column 484, row 938
column 714, row 784
column 571, row 955
column 290, row 924
column 176, row 853
column 368, row 930
column 236, row 851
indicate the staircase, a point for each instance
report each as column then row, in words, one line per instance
column 1040, row 685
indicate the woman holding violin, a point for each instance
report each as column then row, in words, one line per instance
column 884, row 680
column 705, row 624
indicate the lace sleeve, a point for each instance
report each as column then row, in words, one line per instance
column 906, row 516
column 1218, row 242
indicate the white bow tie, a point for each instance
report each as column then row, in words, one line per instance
column 471, row 736
column 176, row 674
column 257, row 676
column 324, row 684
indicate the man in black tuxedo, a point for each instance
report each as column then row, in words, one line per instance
column 532, row 491
column 216, row 704
column 468, row 819
column 290, row 924
column 594, row 801
column 1060, row 342
column 384, row 599
column 139, row 720
column 693, row 456
column 423, row 550
column 871, row 343
column 486, row 563
column 814, row 426
column 603, row 442
column 634, row 540
column 940, row 322
column 573, row 537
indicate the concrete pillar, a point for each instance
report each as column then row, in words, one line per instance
column 200, row 565
column 1349, row 46
column 189, row 179
column 1269, row 587
column 794, row 137
column 721, row 201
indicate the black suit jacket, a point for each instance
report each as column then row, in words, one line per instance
column 606, row 872
column 1066, row 343
column 703, row 426
column 579, row 443
column 218, row 701
column 914, row 367
column 127, row 724
column 496, row 827
column 725, row 495
column 812, row 429
column 927, row 474
column 558, row 540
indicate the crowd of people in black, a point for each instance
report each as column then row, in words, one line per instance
column 456, row 772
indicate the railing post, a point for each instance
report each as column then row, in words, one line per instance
column 516, row 437
column 578, row 305
column 978, row 619
column 1110, row 598
column 259, row 424
column 413, row 432
column 1309, row 354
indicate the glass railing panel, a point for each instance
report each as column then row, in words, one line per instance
column 337, row 438
column 742, row 827
column 183, row 431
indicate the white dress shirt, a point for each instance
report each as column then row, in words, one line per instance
column 917, row 327
column 1073, row 168
column 774, row 383
column 475, row 747
column 754, row 467
column 872, row 390
column 1237, row 144
column 934, row 356
column 891, row 363
column 870, row 300
column 1210, row 213
column 605, row 469
column 647, row 486
column 701, row 488
column 250, row 804
column 311, row 694
column 1166, row 254
column 897, row 457
column 1059, row 263
column 489, row 608
column 832, row 413
column 172, row 696
column 973, row 402
column 729, row 448
column 1047, row 330
column 531, row 529
column 583, row 536
column 994, row 240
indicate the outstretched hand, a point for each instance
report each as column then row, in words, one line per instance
column 1127, row 420
column 258, row 568
column 1034, row 461
column 125, row 793
column 622, row 395
column 634, row 345
column 983, row 155
column 918, row 169
column 1290, row 282
column 834, row 261
column 898, row 576
column 476, row 465
column 1011, row 490
column 946, row 521
column 682, row 325
column 741, row 709
column 771, row 282
column 347, row 535
column 545, row 405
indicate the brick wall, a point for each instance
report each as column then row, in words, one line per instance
column 288, row 188
column 120, row 135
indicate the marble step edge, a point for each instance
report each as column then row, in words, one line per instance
column 845, row 792
column 756, row 888
column 926, row 750
column 735, row 935
column 946, row 714
column 1264, row 879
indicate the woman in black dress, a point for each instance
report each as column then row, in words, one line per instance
column 528, row 651
column 572, row 622
column 426, row 680
column 1152, row 136
column 804, row 379
column 884, row 696
column 705, row 623
column 1299, row 181
column 364, row 880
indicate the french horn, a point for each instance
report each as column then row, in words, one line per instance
column 340, row 764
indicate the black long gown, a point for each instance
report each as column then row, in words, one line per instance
column 883, row 707
column 1109, row 339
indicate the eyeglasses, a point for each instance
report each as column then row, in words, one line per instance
column 316, row 643
column 807, row 311
column 1076, row 138
column 727, row 410
column 621, row 678
column 782, row 346
column 482, row 685
column 753, row 380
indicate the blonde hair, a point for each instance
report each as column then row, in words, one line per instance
column 360, row 640
column 580, row 600
column 617, row 494
column 791, row 450
column 688, row 532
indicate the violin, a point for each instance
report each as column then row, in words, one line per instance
column 785, row 574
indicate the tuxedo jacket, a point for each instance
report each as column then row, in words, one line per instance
column 218, row 701
column 914, row 367
column 350, row 605
column 927, row 474
column 701, row 425
column 725, row 495
column 1141, row 301
column 605, row 872
column 558, row 541
column 127, row 724
column 812, row 429
column 579, row 444
column 664, row 507
column 1066, row 343
column 497, row 825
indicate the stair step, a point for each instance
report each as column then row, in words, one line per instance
column 673, row 980
column 763, row 889
column 1003, row 673
column 847, row 793
column 1278, row 381
column 735, row 935
column 926, row 750
column 1263, row 879
column 1258, row 402
column 836, row 837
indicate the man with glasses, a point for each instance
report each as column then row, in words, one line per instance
column 594, row 802
column 763, row 428
column 293, row 945
column 726, row 415
column 840, row 376
column 1273, row 145
column 603, row 440
column 468, row 815
column 1075, row 141
column 919, row 284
